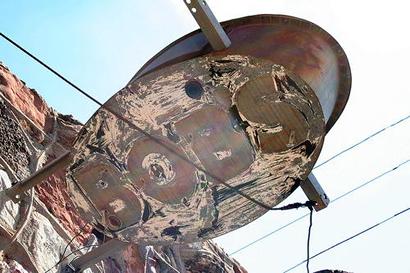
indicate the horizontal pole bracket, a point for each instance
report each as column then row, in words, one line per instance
column 314, row 192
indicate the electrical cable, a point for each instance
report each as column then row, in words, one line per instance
column 159, row 142
column 69, row 254
column 308, row 239
column 336, row 199
column 140, row 130
column 350, row 238
column 73, row 238
column 135, row 127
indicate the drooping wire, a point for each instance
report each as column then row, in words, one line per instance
column 50, row 69
column 333, row 201
column 138, row 129
column 158, row 141
column 308, row 239
column 73, row 238
column 350, row 238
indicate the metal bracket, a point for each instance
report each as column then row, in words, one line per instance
column 210, row 26
column 94, row 256
column 15, row 192
column 314, row 192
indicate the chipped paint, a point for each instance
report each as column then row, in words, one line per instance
column 159, row 168
column 256, row 126
column 221, row 155
column 117, row 205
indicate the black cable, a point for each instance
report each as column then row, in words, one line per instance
column 138, row 129
column 336, row 199
column 132, row 125
column 50, row 69
column 69, row 254
column 297, row 205
column 73, row 238
column 350, row 238
column 135, row 127
column 308, row 239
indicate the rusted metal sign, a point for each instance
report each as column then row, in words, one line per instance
column 299, row 45
column 245, row 121
column 252, row 116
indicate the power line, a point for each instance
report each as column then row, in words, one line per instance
column 50, row 69
column 335, row 200
column 361, row 142
column 350, row 238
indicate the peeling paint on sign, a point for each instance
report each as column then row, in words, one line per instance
column 246, row 121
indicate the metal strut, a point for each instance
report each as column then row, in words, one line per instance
column 314, row 192
column 96, row 255
column 210, row 26
column 15, row 192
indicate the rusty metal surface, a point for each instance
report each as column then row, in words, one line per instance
column 245, row 121
column 297, row 44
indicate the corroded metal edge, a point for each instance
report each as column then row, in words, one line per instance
column 199, row 47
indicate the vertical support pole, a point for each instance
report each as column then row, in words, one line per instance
column 209, row 24
column 15, row 192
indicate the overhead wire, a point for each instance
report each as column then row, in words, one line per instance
column 350, row 238
column 159, row 142
column 362, row 141
column 135, row 127
column 333, row 201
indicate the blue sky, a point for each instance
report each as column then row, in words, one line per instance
column 100, row 44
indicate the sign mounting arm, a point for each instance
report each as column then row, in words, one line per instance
column 210, row 26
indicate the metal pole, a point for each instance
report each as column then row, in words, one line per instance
column 314, row 192
column 94, row 256
column 210, row 26
column 15, row 192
